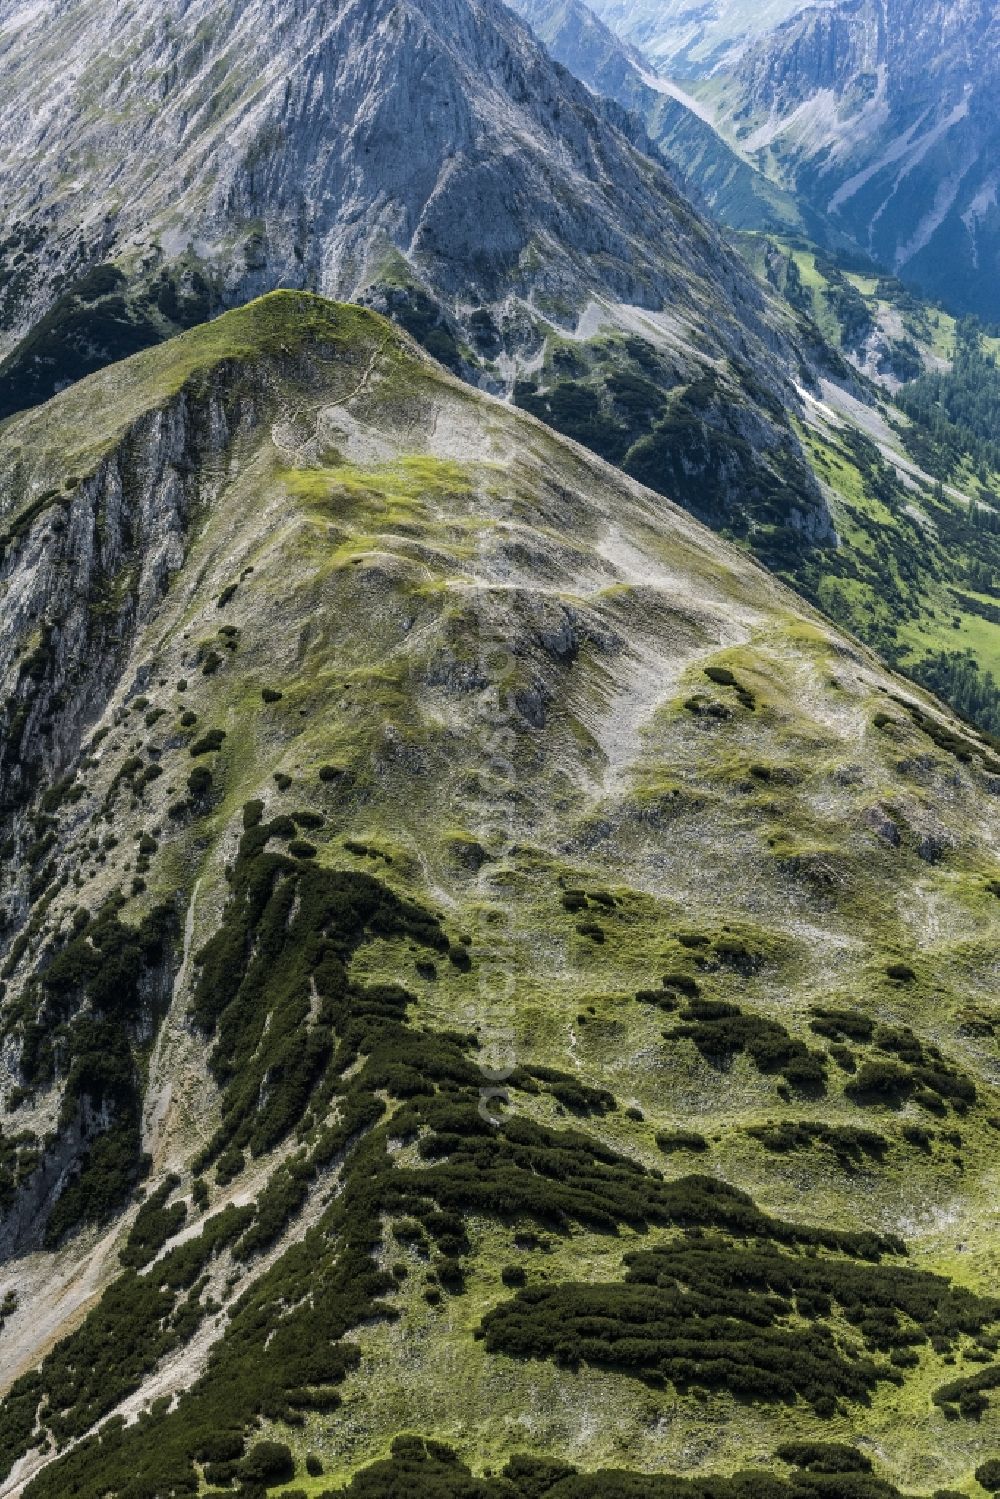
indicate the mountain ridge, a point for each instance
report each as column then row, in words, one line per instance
column 436, row 697
column 304, row 146
column 733, row 191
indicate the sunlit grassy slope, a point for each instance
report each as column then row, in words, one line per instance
column 626, row 780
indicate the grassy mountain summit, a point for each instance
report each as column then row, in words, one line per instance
column 498, row 992
column 429, row 160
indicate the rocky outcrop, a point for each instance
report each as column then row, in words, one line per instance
column 361, row 150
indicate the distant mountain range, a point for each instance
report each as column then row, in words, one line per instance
column 879, row 118
column 885, row 116
column 690, row 38
column 732, row 187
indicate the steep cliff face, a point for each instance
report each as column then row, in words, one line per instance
column 85, row 566
column 884, row 115
column 375, row 148
column 100, row 497
column 483, row 925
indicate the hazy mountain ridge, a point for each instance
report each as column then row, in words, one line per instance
column 883, row 114
column 732, row 189
column 686, row 39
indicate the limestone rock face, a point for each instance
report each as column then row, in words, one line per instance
column 216, row 151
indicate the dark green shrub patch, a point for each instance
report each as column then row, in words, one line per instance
column 259, row 972
column 735, row 952
column 86, row 1013
column 155, row 1223
column 19, row 1155
column 425, row 1469
column 682, row 983
column 566, row 1089
column 841, row 1025
column 881, row 1082
column 824, row 1457
column 850, row 1145
column 723, row 1031
column 208, row 743
column 681, row 1139
column 268, row 1463
column 723, row 677
column 138, row 1321
column 199, row 782
column 703, row 706
column 271, row 695
column 228, row 1166
column 459, row 956
column 707, row 1312
column 912, row 1070
column 308, row 820
column 988, row 1475
column 967, row 1397
column 661, row 999
column 253, row 816
column 279, row 827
